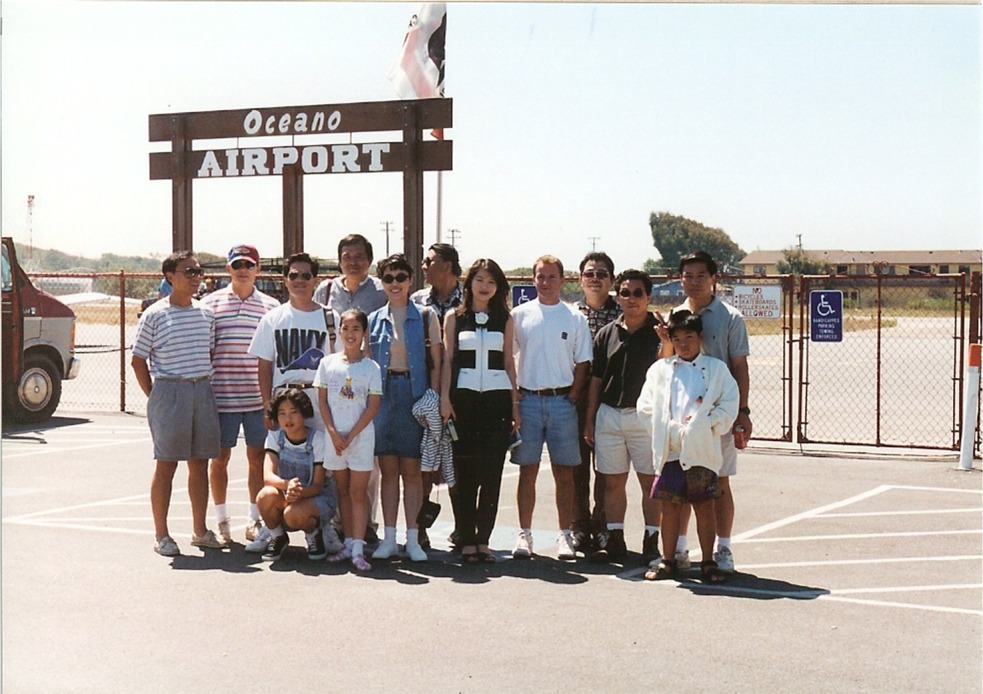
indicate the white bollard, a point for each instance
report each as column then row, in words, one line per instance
column 971, row 402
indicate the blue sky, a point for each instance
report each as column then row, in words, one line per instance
column 857, row 127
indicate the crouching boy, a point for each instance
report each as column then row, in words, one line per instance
column 688, row 401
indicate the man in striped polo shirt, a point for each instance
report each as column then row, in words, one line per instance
column 238, row 309
column 172, row 364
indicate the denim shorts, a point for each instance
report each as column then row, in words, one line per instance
column 549, row 419
column 253, row 429
column 396, row 430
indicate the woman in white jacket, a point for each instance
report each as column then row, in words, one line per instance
column 688, row 401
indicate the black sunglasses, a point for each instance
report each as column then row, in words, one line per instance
column 293, row 274
column 193, row 272
column 240, row 264
column 637, row 293
column 599, row 274
column 398, row 277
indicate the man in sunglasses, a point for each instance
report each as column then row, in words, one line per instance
column 599, row 308
column 171, row 360
column 238, row 308
column 289, row 343
column 623, row 351
column 354, row 288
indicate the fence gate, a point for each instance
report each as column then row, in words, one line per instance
column 896, row 378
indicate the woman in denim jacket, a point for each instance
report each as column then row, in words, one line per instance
column 397, row 343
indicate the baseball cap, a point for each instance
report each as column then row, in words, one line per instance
column 244, row 252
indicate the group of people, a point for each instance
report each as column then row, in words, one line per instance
column 335, row 389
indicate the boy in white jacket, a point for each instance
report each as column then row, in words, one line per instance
column 688, row 401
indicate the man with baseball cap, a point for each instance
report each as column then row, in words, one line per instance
column 238, row 309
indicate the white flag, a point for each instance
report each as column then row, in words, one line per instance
column 419, row 71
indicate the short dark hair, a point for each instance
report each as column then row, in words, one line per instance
column 598, row 257
column 699, row 257
column 300, row 258
column 297, row 397
column 449, row 253
column 627, row 275
column 355, row 240
column 171, row 261
column 397, row 261
column 684, row 320
column 358, row 314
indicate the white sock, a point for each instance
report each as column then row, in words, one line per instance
column 412, row 536
column 254, row 512
column 390, row 535
column 350, row 543
column 358, row 548
column 723, row 542
column 681, row 543
column 277, row 531
column 652, row 529
column 616, row 526
column 221, row 513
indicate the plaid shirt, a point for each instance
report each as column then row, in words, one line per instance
column 428, row 297
column 598, row 318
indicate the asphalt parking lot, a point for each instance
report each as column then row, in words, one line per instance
column 856, row 572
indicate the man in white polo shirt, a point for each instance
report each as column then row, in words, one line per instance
column 238, row 309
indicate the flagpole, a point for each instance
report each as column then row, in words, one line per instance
column 440, row 186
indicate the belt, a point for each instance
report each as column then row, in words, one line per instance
column 182, row 379
column 547, row 391
column 398, row 374
column 298, row 386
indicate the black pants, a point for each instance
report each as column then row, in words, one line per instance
column 484, row 421
column 583, row 520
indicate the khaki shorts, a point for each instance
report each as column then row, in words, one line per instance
column 621, row 441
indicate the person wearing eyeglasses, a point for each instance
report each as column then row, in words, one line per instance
column 599, row 308
column 289, row 343
column 623, row 351
column 442, row 270
column 401, row 336
column 172, row 350
column 355, row 288
column 238, row 309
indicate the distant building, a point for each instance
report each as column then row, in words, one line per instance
column 873, row 262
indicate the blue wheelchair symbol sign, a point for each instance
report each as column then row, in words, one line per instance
column 521, row 293
column 826, row 316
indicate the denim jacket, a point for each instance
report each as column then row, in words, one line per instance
column 380, row 342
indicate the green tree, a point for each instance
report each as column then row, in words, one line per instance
column 653, row 266
column 797, row 261
column 676, row 236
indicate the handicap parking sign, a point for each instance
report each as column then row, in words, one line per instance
column 826, row 315
column 521, row 293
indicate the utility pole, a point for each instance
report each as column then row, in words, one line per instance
column 385, row 225
column 593, row 242
column 30, row 227
column 454, row 234
column 799, row 236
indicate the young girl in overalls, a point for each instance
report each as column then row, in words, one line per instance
column 297, row 494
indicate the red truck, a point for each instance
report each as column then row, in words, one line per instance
column 38, row 344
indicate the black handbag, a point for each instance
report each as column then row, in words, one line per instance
column 429, row 511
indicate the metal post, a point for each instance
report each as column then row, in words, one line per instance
column 413, row 194
column 971, row 400
column 122, row 341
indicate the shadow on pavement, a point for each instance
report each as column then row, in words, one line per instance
column 744, row 585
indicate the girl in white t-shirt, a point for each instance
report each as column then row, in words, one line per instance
column 349, row 392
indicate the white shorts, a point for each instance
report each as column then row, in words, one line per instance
column 729, row 452
column 358, row 456
column 621, row 440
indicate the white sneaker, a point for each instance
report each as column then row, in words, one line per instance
column 331, row 541
column 523, row 545
column 564, row 546
column 725, row 560
column 386, row 549
column 166, row 547
column 225, row 531
column 682, row 560
column 208, row 540
column 253, row 528
column 258, row 545
column 415, row 552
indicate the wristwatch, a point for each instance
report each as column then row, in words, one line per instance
column 745, row 410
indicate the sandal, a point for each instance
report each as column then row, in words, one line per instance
column 470, row 557
column 709, row 573
column 487, row 558
column 668, row 568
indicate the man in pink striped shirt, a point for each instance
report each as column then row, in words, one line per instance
column 238, row 309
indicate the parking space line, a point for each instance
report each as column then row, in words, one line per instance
column 906, row 589
column 864, row 536
column 49, row 450
column 905, row 605
column 932, row 512
column 789, row 520
column 846, row 562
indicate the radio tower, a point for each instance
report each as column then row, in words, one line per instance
column 30, row 227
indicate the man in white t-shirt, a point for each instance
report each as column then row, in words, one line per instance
column 552, row 348
column 290, row 340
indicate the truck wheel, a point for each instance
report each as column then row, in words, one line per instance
column 38, row 392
